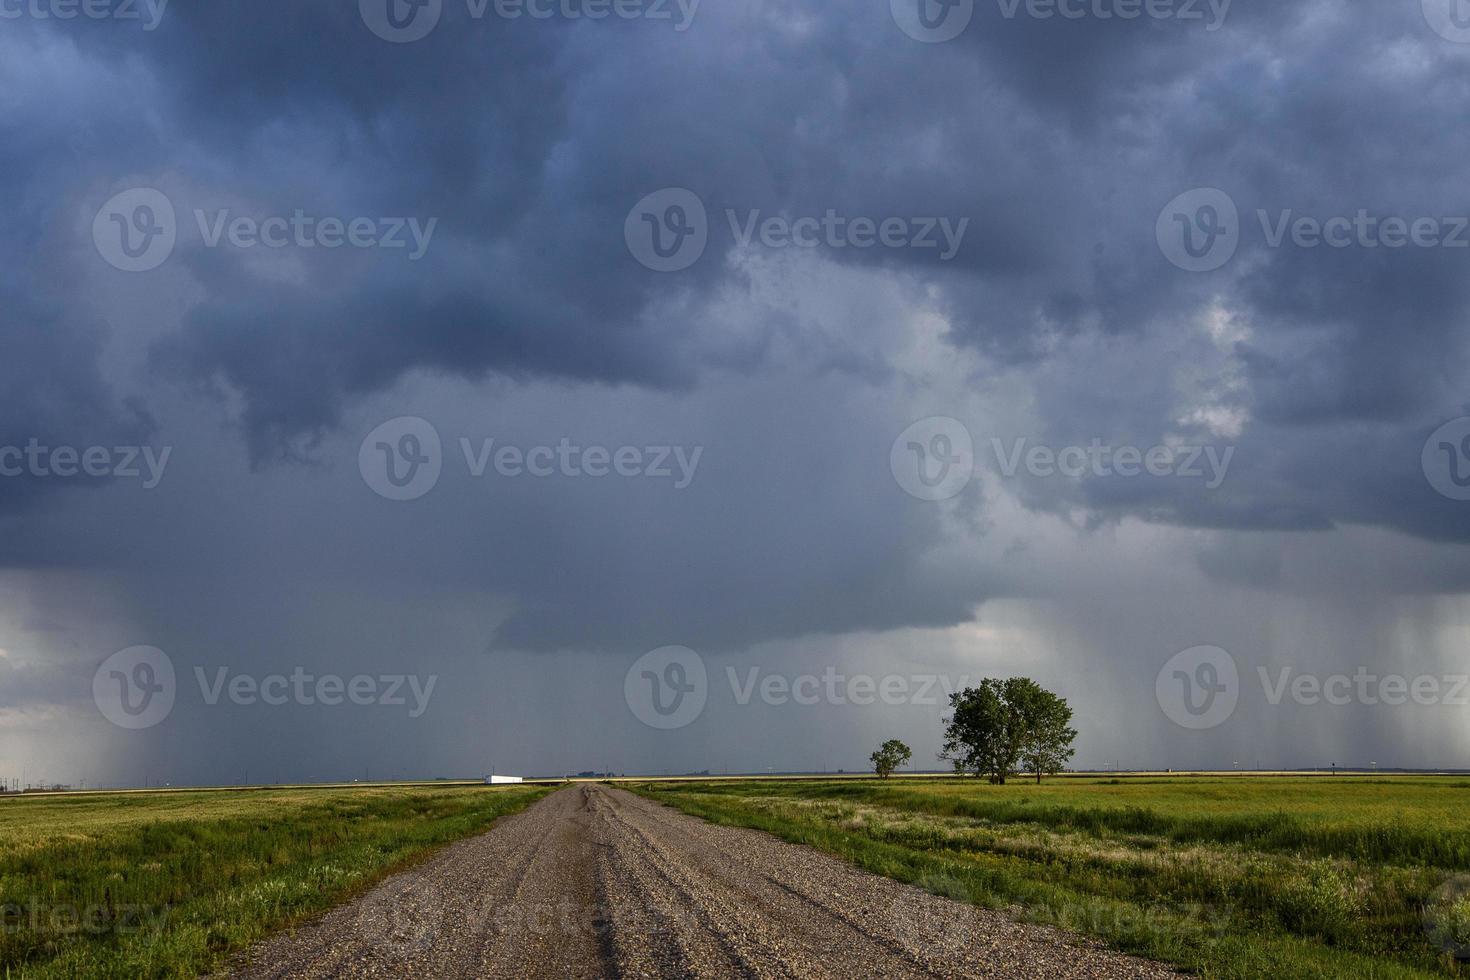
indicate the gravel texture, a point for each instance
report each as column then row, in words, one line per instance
column 593, row 881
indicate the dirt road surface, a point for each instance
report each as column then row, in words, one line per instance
column 595, row 882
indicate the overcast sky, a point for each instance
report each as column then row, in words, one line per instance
column 855, row 351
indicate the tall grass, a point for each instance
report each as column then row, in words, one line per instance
column 169, row 885
column 1226, row 878
column 1325, row 817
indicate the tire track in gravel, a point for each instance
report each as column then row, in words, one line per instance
column 741, row 909
column 515, row 902
column 595, row 882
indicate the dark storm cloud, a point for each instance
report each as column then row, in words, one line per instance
column 52, row 395
column 1061, row 141
column 1058, row 320
column 529, row 141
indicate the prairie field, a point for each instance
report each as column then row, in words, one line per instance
column 1219, row 876
column 1223, row 877
column 171, row 884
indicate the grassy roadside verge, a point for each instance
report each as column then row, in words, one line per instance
column 1238, row 880
column 171, row 885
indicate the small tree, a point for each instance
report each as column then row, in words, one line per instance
column 1004, row 723
column 891, row 755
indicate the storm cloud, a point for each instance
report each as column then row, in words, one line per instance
column 364, row 227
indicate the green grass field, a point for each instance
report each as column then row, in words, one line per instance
column 1225, row 877
column 171, row 884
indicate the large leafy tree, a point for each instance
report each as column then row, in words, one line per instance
column 1001, row 725
column 1046, row 744
column 891, row 755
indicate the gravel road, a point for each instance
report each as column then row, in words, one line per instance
column 596, row 882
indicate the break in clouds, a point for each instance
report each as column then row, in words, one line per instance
column 750, row 245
